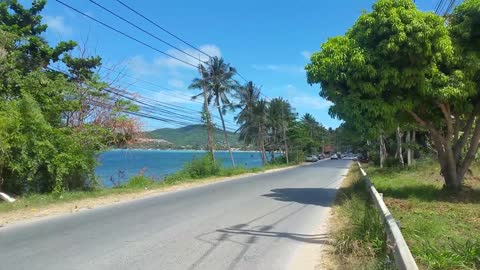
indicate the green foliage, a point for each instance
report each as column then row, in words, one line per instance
column 360, row 241
column 202, row 167
column 139, row 181
column 198, row 168
column 399, row 65
column 454, row 255
column 439, row 226
column 49, row 129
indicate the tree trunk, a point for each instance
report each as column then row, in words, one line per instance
column 413, row 142
column 285, row 144
column 409, row 148
column 208, row 120
column 226, row 136
column 449, row 169
column 399, row 147
column 261, row 144
column 380, row 142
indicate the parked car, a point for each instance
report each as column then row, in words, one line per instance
column 320, row 156
column 334, row 156
column 311, row 158
column 363, row 159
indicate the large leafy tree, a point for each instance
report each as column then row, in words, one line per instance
column 399, row 63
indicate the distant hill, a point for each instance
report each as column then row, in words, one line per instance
column 193, row 136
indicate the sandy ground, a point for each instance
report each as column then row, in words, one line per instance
column 31, row 213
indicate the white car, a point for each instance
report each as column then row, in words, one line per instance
column 334, row 156
column 311, row 158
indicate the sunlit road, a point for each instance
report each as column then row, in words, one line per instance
column 254, row 223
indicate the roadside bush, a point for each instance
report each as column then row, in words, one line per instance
column 362, row 242
column 296, row 156
column 38, row 158
column 278, row 160
column 202, row 167
column 139, row 181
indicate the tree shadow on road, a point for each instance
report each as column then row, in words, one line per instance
column 305, row 238
column 308, row 196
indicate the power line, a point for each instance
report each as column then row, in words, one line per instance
column 174, row 96
column 144, row 31
column 163, row 29
column 124, row 34
column 161, row 110
column 170, row 33
column 449, row 8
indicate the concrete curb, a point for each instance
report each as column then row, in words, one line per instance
column 403, row 257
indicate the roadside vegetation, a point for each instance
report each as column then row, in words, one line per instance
column 356, row 231
column 201, row 170
column 441, row 228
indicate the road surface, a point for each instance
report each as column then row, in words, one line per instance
column 254, row 223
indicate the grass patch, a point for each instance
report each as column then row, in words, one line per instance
column 442, row 229
column 358, row 235
column 199, row 170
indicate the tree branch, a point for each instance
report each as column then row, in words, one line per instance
column 467, row 129
column 472, row 150
column 445, row 108
column 456, row 129
column 429, row 126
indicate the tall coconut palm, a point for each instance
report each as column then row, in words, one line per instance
column 311, row 124
column 217, row 78
column 202, row 83
column 281, row 116
column 260, row 121
column 248, row 96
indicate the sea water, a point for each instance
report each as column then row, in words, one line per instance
column 117, row 166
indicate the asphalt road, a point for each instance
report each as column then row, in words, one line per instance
column 254, row 223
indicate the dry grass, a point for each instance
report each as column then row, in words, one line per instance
column 356, row 232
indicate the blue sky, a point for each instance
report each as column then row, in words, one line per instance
column 269, row 42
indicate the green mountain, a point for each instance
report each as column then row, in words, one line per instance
column 193, row 136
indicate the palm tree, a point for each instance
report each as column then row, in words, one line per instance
column 281, row 116
column 248, row 96
column 202, row 83
column 260, row 111
column 311, row 124
column 217, row 81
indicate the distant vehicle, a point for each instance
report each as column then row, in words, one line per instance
column 311, row 158
column 363, row 159
column 334, row 156
column 320, row 156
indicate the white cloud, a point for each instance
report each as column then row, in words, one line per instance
column 57, row 24
column 177, row 96
column 176, row 83
column 280, row 68
column 306, row 54
column 315, row 103
column 139, row 66
column 163, row 64
column 195, row 58
column 300, row 99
